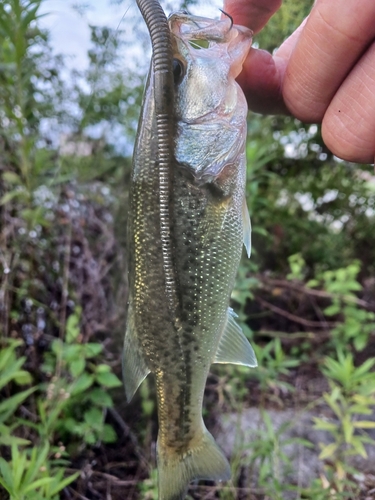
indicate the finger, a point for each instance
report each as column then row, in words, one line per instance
column 251, row 13
column 348, row 127
column 335, row 36
column 261, row 83
column 287, row 47
column 262, row 77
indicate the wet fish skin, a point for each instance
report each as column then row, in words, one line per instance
column 178, row 318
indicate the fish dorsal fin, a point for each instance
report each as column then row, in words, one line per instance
column 233, row 346
column 246, row 228
column 134, row 368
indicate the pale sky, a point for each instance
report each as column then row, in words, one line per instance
column 70, row 35
column 69, row 30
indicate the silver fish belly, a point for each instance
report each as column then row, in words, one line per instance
column 179, row 320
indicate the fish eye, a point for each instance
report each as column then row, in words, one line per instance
column 178, row 71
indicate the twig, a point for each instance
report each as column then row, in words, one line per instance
column 9, row 262
column 76, row 494
column 109, row 477
column 286, row 335
column 318, row 310
column 32, row 416
column 115, row 479
column 129, row 434
column 64, row 291
column 311, row 291
column 226, row 488
column 292, row 317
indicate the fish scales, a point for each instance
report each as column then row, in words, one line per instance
column 178, row 317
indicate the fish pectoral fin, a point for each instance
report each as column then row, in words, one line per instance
column 134, row 368
column 204, row 460
column 233, row 346
column 246, row 228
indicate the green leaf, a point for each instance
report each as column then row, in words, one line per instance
column 38, row 458
column 94, row 418
column 324, row 425
column 90, row 437
column 328, row 451
column 8, row 440
column 7, row 356
column 102, row 368
column 82, row 384
column 57, row 347
column 312, row 283
column 30, row 15
column 9, row 406
column 64, row 483
column 331, row 401
column 347, row 426
column 259, row 230
column 360, row 342
column 6, row 473
column 11, row 195
column 77, row 367
column 73, row 352
column 72, row 326
column 12, row 178
column 364, row 370
column 11, row 370
column 23, row 377
column 332, row 310
column 361, row 409
column 92, row 349
column 108, row 435
column 364, row 424
column 100, row 397
column 359, row 447
column 71, row 425
column 108, row 379
column 19, row 466
column 38, row 483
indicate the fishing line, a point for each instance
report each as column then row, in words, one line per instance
column 123, row 17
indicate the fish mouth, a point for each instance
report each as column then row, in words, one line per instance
column 201, row 33
column 199, row 28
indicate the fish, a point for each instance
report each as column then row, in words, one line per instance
column 186, row 228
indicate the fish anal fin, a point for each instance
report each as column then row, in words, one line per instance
column 204, row 460
column 233, row 346
column 134, row 368
column 246, row 228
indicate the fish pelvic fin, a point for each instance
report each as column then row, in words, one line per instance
column 204, row 460
column 233, row 345
column 134, row 368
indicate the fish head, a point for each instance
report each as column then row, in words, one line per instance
column 208, row 56
column 210, row 108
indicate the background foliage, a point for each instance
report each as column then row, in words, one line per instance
column 305, row 299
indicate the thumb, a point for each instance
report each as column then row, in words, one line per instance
column 263, row 75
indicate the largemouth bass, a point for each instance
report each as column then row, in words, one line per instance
column 185, row 241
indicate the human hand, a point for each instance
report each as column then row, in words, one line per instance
column 323, row 73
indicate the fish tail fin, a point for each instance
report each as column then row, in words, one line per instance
column 204, row 460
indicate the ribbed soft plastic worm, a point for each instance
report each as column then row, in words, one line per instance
column 158, row 27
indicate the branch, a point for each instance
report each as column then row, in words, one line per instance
column 311, row 291
column 292, row 317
